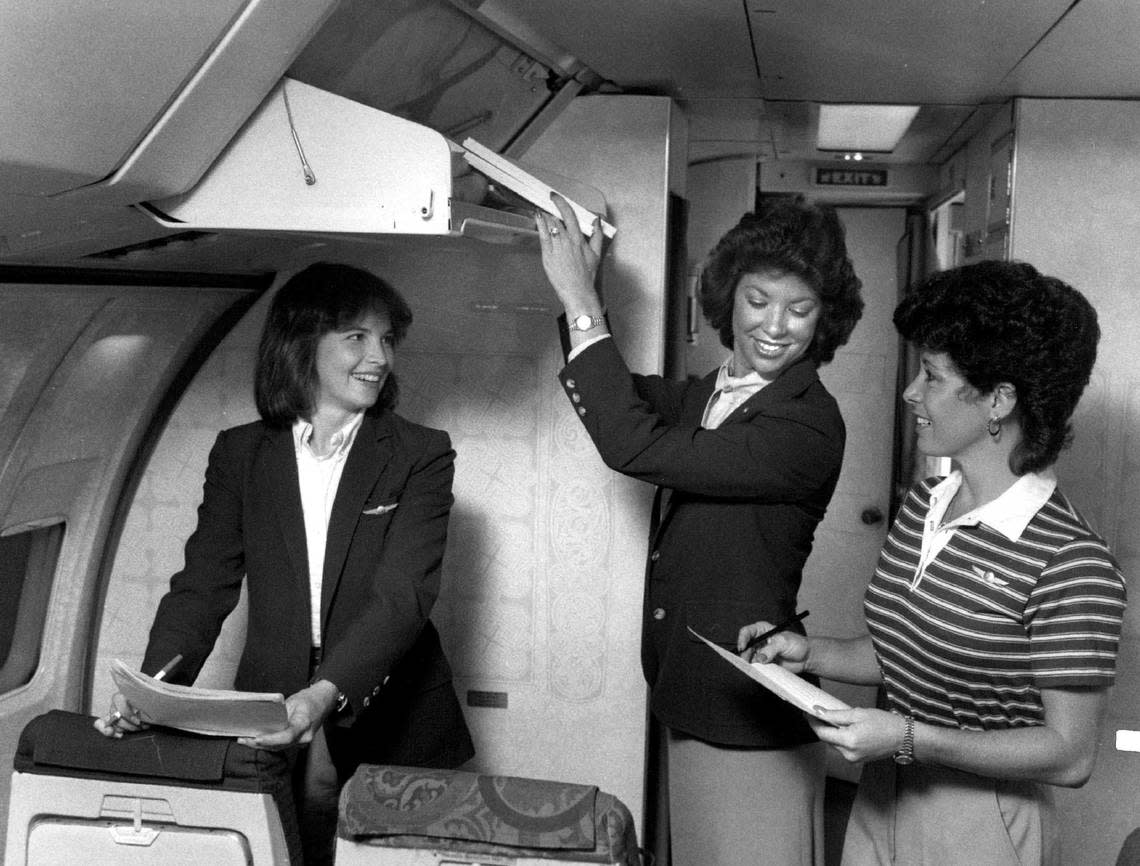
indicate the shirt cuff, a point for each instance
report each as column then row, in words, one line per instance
column 577, row 350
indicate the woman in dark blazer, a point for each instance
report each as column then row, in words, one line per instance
column 334, row 509
column 745, row 460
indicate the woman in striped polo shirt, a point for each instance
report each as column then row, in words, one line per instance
column 995, row 611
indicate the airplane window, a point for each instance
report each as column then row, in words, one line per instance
column 27, row 570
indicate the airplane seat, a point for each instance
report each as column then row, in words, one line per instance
column 158, row 796
column 413, row 816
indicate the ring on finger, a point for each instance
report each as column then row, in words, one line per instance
column 553, row 231
column 114, row 718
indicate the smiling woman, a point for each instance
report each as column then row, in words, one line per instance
column 994, row 615
column 353, row 363
column 323, row 301
column 745, row 460
column 334, row 486
column 773, row 322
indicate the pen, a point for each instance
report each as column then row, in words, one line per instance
column 760, row 638
column 168, row 667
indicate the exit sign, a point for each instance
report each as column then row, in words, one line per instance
column 851, row 177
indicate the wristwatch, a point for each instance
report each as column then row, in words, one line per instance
column 584, row 322
column 905, row 753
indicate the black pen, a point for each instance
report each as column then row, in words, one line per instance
column 760, row 638
column 168, row 667
column 113, row 719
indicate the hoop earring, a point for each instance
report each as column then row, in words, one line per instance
column 993, row 427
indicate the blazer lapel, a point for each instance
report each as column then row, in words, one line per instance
column 792, row 381
column 278, row 473
column 369, row 457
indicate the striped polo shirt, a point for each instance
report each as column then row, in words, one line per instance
column 995, row 615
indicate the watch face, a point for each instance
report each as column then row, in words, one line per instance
column 583, row 322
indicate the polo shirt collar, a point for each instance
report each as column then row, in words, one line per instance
column 1010, row 513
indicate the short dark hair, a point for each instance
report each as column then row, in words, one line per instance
column 323, row 297
column 1006, row 322
column 789, row 236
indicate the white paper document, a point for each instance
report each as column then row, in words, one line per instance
column 215, row 712
column 524, row 182
column 781, row 682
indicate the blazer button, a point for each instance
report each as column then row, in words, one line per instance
column 569, row 383
column 376, row 691
column 367, row 700
column 654, row 556
column 581, row 410
column 659, row 613
column 576, row 397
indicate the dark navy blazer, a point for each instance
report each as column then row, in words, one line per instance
column 383, row 558
column 737, row 511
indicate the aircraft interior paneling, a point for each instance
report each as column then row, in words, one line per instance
column 86, row 368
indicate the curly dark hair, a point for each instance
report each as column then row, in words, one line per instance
column 788, row 236
column 323, row 297
column 1006, row 322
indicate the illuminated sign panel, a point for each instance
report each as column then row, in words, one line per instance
column 850, row 177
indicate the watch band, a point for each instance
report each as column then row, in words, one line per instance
column 905, row 753
column 585, row 322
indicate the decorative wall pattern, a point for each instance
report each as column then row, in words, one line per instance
column 488, row 610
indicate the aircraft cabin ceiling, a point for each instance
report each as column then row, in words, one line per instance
column 104, row 111
column 763, row 65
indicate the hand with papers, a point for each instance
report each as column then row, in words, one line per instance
column 782, row 682
column 857, row 733
column 215, row 712
column 305, row 712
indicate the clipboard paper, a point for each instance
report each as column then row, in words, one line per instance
column 781, row 682
column 213, row 712
column 524, row 183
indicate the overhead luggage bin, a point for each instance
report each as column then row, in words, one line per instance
column 128, row 100
column 309, row 161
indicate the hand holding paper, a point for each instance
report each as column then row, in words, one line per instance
column 526, row 183
column 783, row 683
column 215, row 712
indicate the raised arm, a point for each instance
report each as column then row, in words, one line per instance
column 571, row 264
